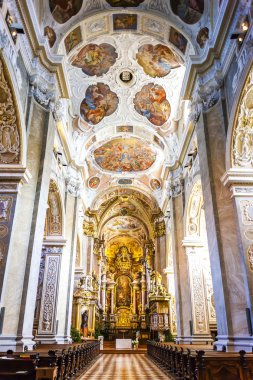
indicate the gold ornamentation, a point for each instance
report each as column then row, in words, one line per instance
column 88, row 228
column 160, row 228
column 9, row 121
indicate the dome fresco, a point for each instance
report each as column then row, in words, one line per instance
column 125, row 155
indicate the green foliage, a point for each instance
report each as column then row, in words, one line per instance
column 75, row 335
column 168, row 336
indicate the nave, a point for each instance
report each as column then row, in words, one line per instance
column 124, row 367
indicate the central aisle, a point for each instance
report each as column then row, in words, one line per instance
column 124, row 367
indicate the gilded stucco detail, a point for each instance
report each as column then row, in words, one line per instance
column 242, row 140
column 250, row 257
column 9, row 129
column 246, row 207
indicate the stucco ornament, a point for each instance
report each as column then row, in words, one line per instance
column 242, row 143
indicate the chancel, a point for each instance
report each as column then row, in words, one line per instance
column 126, row 189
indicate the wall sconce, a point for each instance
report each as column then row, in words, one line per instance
column 13, row 27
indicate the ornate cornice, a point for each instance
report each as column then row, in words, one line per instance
column 53, row 65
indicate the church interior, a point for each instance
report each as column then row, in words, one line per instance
column 126, row 189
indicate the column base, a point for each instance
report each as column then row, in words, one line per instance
column 52, row 339
column 194, row 339
column 233, row 344
column 15, row 343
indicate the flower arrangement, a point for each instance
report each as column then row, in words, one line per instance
column 135, row 343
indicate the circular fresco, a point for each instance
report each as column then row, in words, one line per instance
column 155, row 184
column 99, row 102
column 156, row 61
column 125, row 155
column 93, row 182
column 95, row 59
column 151, row 102
column 190, row 11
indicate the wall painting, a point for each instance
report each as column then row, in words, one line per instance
column 178, row 40
column 73, row 39
column 124, row 22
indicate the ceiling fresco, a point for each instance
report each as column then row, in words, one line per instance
column 123, row 224
column 157, row 61
column 95, row 59
column 63, row 10
column 151, row 102
column 99, row 102
column 124, row 22
column 190, row 11
column 125, row 155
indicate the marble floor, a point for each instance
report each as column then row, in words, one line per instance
column 124, row 367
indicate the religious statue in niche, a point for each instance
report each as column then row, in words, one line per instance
column 123, row 260
column 123, row 291
column 9, row 135
column 84, row 323
column 63, row 10
column 54, row 211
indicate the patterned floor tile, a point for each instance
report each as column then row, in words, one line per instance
column 124, row 367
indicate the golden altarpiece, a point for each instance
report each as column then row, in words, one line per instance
column 129, row 296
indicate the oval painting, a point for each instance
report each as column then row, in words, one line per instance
column 155, row 184
column 190, row 11
column 99, row 102
column 95, row 59
column 151, row 102
column 63, row 10
column 125, row 155
column 93, row 182
column 156, row 61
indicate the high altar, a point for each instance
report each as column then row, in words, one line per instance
column 130, row 296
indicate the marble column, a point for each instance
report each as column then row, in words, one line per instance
column 66, row 287
column 23, row 264
column 227, row 267
column 180, row 265
column 143, row 292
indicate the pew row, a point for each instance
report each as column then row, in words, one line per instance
column 68, row 363
column 184, row 364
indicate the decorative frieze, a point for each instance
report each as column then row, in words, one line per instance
column 250, row 257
